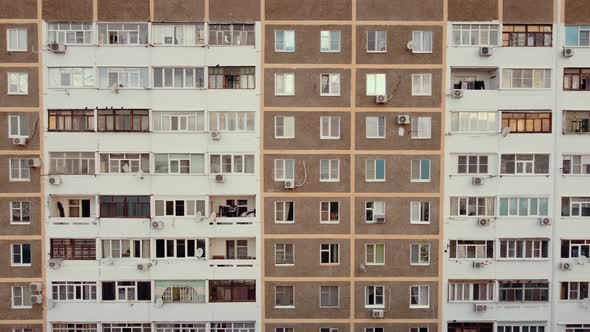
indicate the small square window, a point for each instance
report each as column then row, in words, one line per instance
column 374, row 212
column 284, row 297
column 374, row 297
column 376, row 41
column 16, row 40
column 375, row 126
column 20, row 254
column 330, row 85
column 420, row 170
column 375, row 170
column 420, row 212
column 330, row 41
column 419, row 296
column 422, row 42
column 330, row 212
column 18, row 126
column 284, row 127
column 20, row 212
column 329, row 296
column 422, row 127
column 284, row 254
column 329, row 254
column 284, row 84
column 375, row 254
column 421, row 84
column 375, row 85
column 329, row 170
column 420, row 254
column 284, row 212
column 21, row 297
column 284, row 41
column 18, row 83
column 284, row 170
column 329, row 127
column 19, row 170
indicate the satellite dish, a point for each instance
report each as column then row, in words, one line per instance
column 363, row 267
column 198, row 216
column 505, row 131
column 213, row 216
column 159, row 302
column 49, row 304
column 410, row 45
column 200, row 252
column 140, row 174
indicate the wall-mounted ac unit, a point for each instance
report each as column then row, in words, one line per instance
column 478, row 265
column 57, row 48
column 157, row 224
column 380, row 99
column 545, row 221
column 377, row 313
column 215, row 135
column 19, row 141
column 457, row 93
column 403, row 119
column 289, row 184
column 476, row 181
column 36, row 287
column 219, row 178
column 379, row 218
column 54, row 179
column 55, row 263
column 486, row 51
column 565, row 266
column 568, row 52
column 143, row 266
column 480, row 307
column 483, row 221
column 36, row 299
column 34, row 162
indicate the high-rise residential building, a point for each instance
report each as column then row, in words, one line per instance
column 351, row 143
column 21, row 190
column 516, row 196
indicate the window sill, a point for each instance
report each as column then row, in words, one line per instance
column 374, row 307
column 375, row 181
column 16, row 51
column 421, row 52
column 17, row 94
column 21, row 308
column 421, row 94
column 375, row 137
column 376, row 52
column 285, row 265
column 20, row 265
column 20, row 223
column 375, row 264
column 329, row 222
column 419, row 306
column 419, row 222
column 284, row 137
column 333, row 138
column 19, row 180
column 329, row 95
column 283, row 95
column 285, row 222
column 330, row 51
column 329, row 181
column 420, row 181
column 284, row 51
column 421, row 137
column 285, row 307
column 416, row 264
column 329, row 264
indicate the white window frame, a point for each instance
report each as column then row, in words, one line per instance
column 419, row 176
column 514, row 245
column 507, row 76
column 330, row 93
column 472, row 120
column 284, row 212
column 21, row 121
column 331, row 124
column 182, row 119
column 466, row 199
column 243, row 121
column 19, row 35
column 165, row 71
column 286, row 124
column 485, row 28
column 20, row 207
column 377, row 34
column 329, row 204
column 85, row 75
column 330, row 287
column 283, row 251
column 117, row 245
column 463, row 292
column 283, row 89
column 60, row 33
column 283, row 167
column 378, row 208
column 329, row 249
column 23, row 176
column 425, row 38
column 74, row 291
column 194, row 205
column 373, row 82
column 419, row 296
column 22, row 83
column 237, row 159
column 422, row 84
column 288, row 38
column 420, row 206
column 25, row 299
column 420, row 247
column 376, row 304
column 326, row 38
column 517, row 201
column 424, row 123
column 374, row 162
column 172, row 31
column 578, row 162
column 477, row 163
column 374, row 262
column 290, row 306
column 333, row 167
column 370, row 121
column 20, row 254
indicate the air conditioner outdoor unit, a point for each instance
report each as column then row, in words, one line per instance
column 568, row 52
column 55, row 180
column 57, row 48
column 157, row 225
column 36, row 299
column 565, row 266
column 403, row 119
column 107, row 261
column 381, row 99
column 289, row 184
column 215, row 135
column 486, row 51
column 478, row 265
column 377, row 313
column 476, row 181
column 480, row 307
column 544, row 221
column 483, row 221
column 457, row 93
column 143, row 266
column 34, row 162
column 380, row 219
column 55, row 263
column 219, row 178
column 19, row 141
column 36, row 287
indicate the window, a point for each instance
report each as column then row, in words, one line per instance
column 575, row 248
column 522, row 327
column 284, row 41
column 179, row 77
column 472, row 164
column 524, row 164
column 577, row 36
column 329, row 41
column 178, row 34
column 185, row 121
column 125, row 248
column 183, row 327
column 231, row 163
column 328, row 329
column 182, row 291
column 179, row 207
column 421, row 84
column 375, row 254
column 420, row 254
column 232, row 326
column 284, row 127
column 475, row 35
column 71, row 120
column 122, row 34
column 78, row 327
column 123, row 78
column 284, row 170
column 330, row 254
column 376, row 41
column 19, row 170
column 329, row 297
column 16, row 40
column 375, row 85
column 284, row 254
column 284, row 329
column 420, row 212
column 574, row 290
column 71, row 77
column 467, row 249
column 472, row 206
column 73, row 249
column 330, row 127
column 375, row 170
column 284, row 212
column 374, row 297
column 284, row 84
column 179, row 163
column 576, row 164
column 525, row 291
column 330, row 85
column 374, row 211
column 524, row 249
column 375, row 127
column 421, row 127
column 418, row 329
column 124, row 162
column 18, row 83
column 524, row 207
column 20, row 254
column 576, row 79
column 576, row 122
column 419, row 296
column 329, row 170
column 21, row 297
column 231, row 34
column 473, row 122
column 123, row 120
column 180, row 248
column 577, row 327
column 76, row 208
column 526, row 35
column 126, row 290
column 124, row 206
column 421, row 41
column 70, row 33
column 329, row 212
column 20, row 212
column 575, row 206
column 526, row 78
column 73, row 290
column 230, row 121
column 478, row 291
column 527, row 122
column 420, row 170
column 126, row 327
column 18, row 126
column 71, row 163
column 374, row 329
column 284, row 297
column 231, row 77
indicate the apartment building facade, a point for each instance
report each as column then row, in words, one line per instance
column 21, row 190
column 516, row 242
